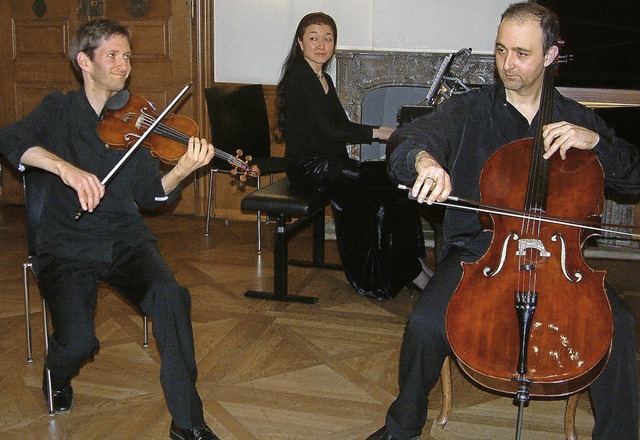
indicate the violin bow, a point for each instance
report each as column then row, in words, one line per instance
column 139, row 142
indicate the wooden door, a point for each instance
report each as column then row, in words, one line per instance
column 166, row 45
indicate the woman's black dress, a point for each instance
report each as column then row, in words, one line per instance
column 379, row 236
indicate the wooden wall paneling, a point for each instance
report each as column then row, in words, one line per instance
column 6, row 86
column 37, row 64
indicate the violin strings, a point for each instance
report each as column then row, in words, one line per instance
column 176, row 135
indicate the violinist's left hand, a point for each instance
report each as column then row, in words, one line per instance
column 199, row 153
column 560, row 136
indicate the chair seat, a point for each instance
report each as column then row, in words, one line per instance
column 280, row 198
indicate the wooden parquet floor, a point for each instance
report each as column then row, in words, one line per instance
column 267, row 370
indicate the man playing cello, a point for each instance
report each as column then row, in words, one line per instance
column 443, row 154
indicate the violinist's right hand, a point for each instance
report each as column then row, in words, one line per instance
column 433, row 182
column 88, row 187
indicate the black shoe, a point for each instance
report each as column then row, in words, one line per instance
column 200, row 432
column 382, row 434
column 62, row 398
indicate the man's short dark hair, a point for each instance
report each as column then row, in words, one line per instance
column 549, row 22
column 90, row 35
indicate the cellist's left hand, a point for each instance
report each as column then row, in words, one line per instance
column 560, row 136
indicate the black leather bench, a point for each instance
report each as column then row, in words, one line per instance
column 282, row 202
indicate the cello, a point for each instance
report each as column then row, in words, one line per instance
column 531, row 318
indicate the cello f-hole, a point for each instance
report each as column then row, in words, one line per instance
column 503, row 256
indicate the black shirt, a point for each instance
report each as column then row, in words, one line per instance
column 66, row 125
column 465, row 130
column 316, row 124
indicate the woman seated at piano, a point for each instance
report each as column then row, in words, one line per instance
column 379, row 239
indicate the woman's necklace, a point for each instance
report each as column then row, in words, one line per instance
column 320, row 75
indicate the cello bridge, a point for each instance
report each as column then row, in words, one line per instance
column 525, row 244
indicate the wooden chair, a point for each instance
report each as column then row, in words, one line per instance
column 447, row 399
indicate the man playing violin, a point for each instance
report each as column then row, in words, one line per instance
column 443, row 154
column 111, row 242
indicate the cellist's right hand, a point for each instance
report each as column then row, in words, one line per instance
column 433, row 182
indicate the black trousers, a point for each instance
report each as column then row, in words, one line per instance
column 379, row 238
column 425, row 346
column 142, row 276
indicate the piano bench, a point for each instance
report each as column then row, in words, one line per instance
column 281, row 201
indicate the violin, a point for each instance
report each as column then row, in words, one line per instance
column 530, row 317
column 127, row 116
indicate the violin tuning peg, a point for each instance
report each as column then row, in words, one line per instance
column 248, row 159
column 238, row 152
column 233, row 172
column 243, row 178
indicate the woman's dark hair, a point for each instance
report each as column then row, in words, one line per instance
column 295, row 54
column 90, row 35
column 549, row 22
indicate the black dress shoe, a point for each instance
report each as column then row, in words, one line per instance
column 62, row 399
column 200, row 432
column 382, row 434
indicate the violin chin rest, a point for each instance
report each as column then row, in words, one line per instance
column 119, row 100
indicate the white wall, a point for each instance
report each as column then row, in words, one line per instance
column 252, row 37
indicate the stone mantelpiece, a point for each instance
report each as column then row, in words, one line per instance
column 359, row 72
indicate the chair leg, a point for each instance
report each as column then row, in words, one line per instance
column 45, row 326
column 27, row 309
column 570, row 417
column 210, row 192
column 258, row 215
column 145, row 323
column 445, row 407
column 266, row 217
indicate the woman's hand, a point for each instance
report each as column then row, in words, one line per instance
column 382, row 133
column 433, row 182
